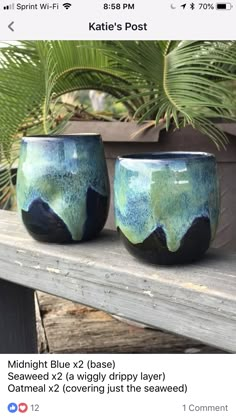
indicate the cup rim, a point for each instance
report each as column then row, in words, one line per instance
column 59, row 137
column 166, row 156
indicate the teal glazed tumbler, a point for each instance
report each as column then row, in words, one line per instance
column 167, row 205
column 63, row 187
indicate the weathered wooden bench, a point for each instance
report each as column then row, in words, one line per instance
column 197, row 301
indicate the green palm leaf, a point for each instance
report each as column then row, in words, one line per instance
column 33, row 75
column 182, row 82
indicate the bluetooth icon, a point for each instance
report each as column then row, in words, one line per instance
column 192, row 6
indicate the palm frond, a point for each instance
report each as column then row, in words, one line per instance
column 179, row 82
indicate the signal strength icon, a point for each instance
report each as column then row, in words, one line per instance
column 67, row 5
column 9, row 7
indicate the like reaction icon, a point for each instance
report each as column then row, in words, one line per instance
column 12, row 408
column 22, row 407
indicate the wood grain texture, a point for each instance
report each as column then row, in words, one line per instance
column 197, row 301
column 73, row 328
column 41, row 333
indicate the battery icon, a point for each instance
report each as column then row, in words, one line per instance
column 224, row 6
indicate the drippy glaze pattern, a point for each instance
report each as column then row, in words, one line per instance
column 161, row 198
column 63, row 187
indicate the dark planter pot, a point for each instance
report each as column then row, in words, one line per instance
column 118, row 140
column 167, row 205
column 63, row 187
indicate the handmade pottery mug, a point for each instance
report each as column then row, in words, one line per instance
column 63, row 187
column 167, row 205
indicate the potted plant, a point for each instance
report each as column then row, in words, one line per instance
column 183, row 86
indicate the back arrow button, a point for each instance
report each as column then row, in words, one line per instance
column 10, row 26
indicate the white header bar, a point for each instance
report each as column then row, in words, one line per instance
column 114, row 19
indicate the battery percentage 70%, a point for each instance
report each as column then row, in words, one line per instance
column 206, row 6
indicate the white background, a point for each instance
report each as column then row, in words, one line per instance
column 162, row 21
column 210, row 380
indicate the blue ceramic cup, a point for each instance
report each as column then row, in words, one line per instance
column 167, row 205
column 63, row 187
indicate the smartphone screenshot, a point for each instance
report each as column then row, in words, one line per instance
column 117, row 210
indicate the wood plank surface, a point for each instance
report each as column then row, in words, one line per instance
column 197, row 301
column 68, row 327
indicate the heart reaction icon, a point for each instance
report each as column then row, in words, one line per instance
column 22, row 407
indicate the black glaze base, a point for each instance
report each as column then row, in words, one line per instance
column 154, row 250
column 97, row 211
column 44, row 225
